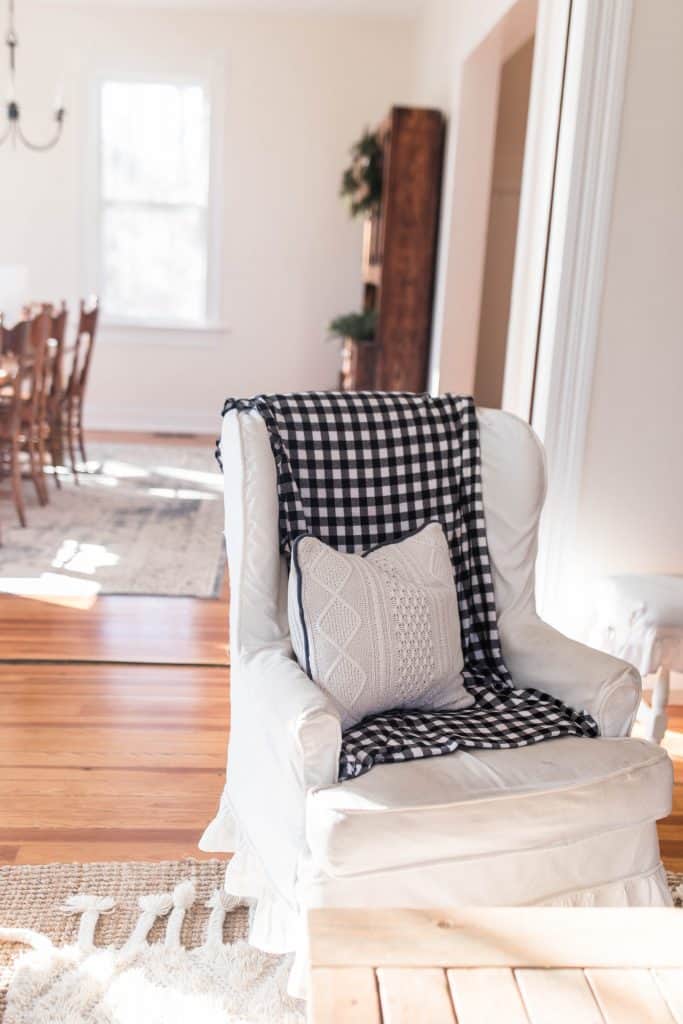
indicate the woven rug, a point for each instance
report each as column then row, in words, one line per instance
column 122, row 943
column 144, row 519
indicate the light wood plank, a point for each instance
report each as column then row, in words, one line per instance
column 486, row 994
column 344, row 995
column 629, row 997
column 497, row 937
column 558, row 997
column 410, row 994
column 671, row 986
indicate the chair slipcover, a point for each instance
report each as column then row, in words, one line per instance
column 569, row 821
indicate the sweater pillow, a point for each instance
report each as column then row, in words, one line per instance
column 379, row 630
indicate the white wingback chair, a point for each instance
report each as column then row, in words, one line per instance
column 569, row 821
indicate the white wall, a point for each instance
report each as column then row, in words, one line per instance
column 298, row 91
column 631, row 512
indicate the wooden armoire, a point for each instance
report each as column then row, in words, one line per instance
column 399, row 257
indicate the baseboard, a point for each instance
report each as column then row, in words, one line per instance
column 152, row 420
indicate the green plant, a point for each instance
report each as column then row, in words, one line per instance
column 361, row 182
column 359, row 326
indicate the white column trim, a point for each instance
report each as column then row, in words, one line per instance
column 577, row 249
column 540, row 151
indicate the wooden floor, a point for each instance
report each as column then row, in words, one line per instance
column 671, row 829
column 113, row 728
column 113, row 724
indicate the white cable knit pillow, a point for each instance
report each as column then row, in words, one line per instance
column 379, row 630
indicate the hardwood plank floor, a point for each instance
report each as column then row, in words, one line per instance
column 113, row 727
column 112, row 762
column 170, row 630
column 114, row 722
column 671, row 829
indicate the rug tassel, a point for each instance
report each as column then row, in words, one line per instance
column 221, row 903
column 89, row 907
column 152, row 906
column 25, row 937
column 183, row 898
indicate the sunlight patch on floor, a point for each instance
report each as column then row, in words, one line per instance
column 183, row 493
column 84, row 558
column 673, row 744
column 53, row 588
column 122, row 470
column 193, row 476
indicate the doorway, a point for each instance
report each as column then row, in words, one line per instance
column 497, row 200
column 501, row 235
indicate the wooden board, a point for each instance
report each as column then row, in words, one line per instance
column 629, row 997
column 346, row 994
column 479, row 993
column 558, row 996
column 437, row 966
column 409, row 994
column 499, row 937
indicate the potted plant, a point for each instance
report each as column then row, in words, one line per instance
column 355, row 326
column 361, row 182
column 359, row 354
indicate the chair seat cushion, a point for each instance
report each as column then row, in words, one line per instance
column 486, row 802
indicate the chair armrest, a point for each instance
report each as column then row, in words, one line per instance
column 285, row 738
column 301, row 722
column 606, row 687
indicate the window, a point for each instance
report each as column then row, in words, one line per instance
column 154, row 198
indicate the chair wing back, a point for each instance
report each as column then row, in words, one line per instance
column 258, row 583
column 513, row 475
column 514, row 485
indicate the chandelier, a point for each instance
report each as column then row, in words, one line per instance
column 13, row 129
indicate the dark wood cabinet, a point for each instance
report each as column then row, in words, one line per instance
column 399, row 256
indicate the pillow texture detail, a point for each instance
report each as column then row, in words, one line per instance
column 379, row 630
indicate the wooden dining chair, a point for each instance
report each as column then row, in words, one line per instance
column 56, row 387
column 74, row 394
column 34, row 425
column 16, row 391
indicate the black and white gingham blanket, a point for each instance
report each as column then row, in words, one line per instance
column 360, row 468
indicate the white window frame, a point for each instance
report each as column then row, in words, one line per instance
column 160, row 330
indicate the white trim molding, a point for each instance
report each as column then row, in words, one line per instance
column 540, row 154
column 588, row 143
column 142, row 418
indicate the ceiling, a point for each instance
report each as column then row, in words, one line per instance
column 384, row 8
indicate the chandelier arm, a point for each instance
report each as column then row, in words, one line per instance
column 14, row 129
column 7, row 132
column 41, row 147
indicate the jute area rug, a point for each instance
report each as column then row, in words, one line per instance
column 127, row 943
column 144, row 519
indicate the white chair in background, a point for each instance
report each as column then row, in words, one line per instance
column 640, row 617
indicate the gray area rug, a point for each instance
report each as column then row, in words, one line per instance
column 145, row 519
